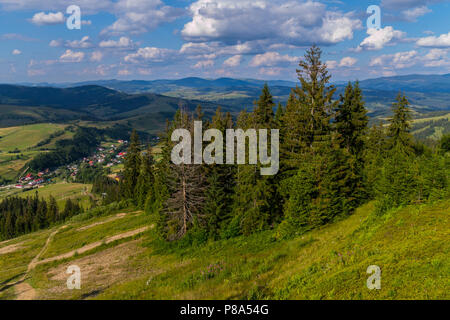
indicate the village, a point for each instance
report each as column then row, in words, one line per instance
column 108, row 155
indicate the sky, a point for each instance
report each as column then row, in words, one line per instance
column 260, row 39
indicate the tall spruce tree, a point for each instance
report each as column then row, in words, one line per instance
column 146, row 179
column 351, row 125
column 132, row 167
column 182, row 208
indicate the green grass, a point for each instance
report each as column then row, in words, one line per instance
column 24, row 137
column 61, row 191
column 72, row 238
column 409, row 244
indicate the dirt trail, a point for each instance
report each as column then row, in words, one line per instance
column 93, row 246
column 24, row 291
column 11, row 248
column 118, row 216
column 35, row 260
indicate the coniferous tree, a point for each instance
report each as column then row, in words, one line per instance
column 185, row 183
column 351, row 126
column 145, row 180
column 220, row 184
column 132, row 167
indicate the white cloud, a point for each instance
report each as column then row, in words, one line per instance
column 233, row 61
column 151, row 55
column 204, row 64
column 84, row 43
column 406, row 4
column 399, row 60
column 331, row 64
column 139, row 16
column 123, row 42
column 271, row 59
column 16, row 52
column 96, row 56
column 81, row 44
column 50, row 18
column 378, row 38
column 443, row 41
column 437, row 58
column 56, row 43
column 71, row 56
column 299, row 23
column 414, row 13
column 124, row 72
column 270, row 71
column 88, row 6
column 347, row 62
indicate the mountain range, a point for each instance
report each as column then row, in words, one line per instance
column 147, row 104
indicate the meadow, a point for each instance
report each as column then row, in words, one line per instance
column 409, row 244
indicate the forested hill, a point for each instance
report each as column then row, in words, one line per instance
column 87, row 102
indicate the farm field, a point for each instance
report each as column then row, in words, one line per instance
column 24, row 139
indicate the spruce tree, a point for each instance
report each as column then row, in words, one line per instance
column 145, row 180
column 132, row 167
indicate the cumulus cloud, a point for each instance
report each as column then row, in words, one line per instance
column 270, row 71
column 16, row 52
column 298, row 23
column 88, row 6
column 345, row 62
column 71, row 56
column 233, row 61
column 139, row 16
column 443, row 41
column 406, row 59
column 271, row 59
column 124, row 72
column 414, row 13
column 51, row 18
column 212, row 50
column 204, row 64
column 151, row 55
column 96, row 56
column 406, row 4
column 378, row 38
column 123, row 42
column 84, row 43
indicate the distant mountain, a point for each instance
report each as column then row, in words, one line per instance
column 415, row 83
column 23, row 105
column 147, row 104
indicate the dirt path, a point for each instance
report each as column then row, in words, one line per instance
column 25, row 292
column 35, row 260
column 118, row 216
column 11, row 248
column 92, row 246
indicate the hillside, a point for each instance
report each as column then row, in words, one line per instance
column 120, row 259
column 24, row 105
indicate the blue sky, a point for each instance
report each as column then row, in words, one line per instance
column 264, row 39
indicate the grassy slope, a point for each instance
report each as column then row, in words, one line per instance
column 61, row 191
column 410, row 245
